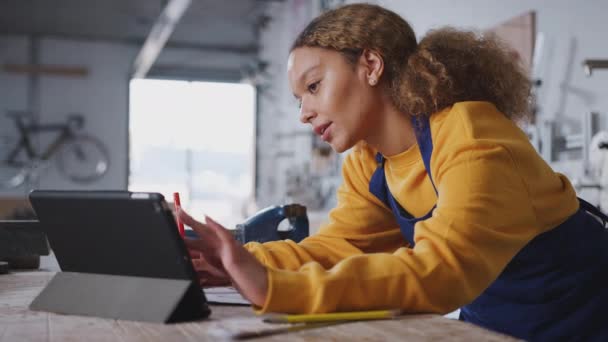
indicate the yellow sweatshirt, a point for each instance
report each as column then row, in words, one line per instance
column 495, row 195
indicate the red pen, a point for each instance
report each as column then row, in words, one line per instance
column 177, row 204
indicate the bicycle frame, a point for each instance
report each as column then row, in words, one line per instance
column 79, row 157
column 25, row 141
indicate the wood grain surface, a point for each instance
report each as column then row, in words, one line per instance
column 18, row 323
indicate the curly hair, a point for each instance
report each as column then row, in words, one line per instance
column 447, row 66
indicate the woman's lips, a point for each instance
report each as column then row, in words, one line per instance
column 319, row 129
column 325, row 132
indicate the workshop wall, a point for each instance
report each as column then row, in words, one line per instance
column 102, row 96
column 286, row 149
column 572, row 32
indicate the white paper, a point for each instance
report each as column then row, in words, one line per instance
column 224, row 295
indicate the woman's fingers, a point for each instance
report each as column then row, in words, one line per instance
column 216, row 246
column 212, row 282
column 194, row 254
column 208, row 251
column 195, row 244
column 199, row 264
column 208, row 271
column 222, row 232
column 200, row 228
column 208, row 239
column 204, row 229
column 202, row 265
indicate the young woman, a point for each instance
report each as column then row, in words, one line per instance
column 444, row 202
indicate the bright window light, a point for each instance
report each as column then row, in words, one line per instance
column 196, row 138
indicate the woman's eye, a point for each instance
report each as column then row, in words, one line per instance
column 313, row 87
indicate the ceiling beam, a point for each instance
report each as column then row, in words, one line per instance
column 161, row 30
column 207, row 47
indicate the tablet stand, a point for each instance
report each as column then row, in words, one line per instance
column 123, row 297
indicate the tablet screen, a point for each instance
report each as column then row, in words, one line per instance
column 113, row 232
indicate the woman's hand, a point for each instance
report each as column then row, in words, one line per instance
column 224, row 254
column 208, row 275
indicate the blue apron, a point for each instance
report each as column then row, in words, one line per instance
column 555, row 288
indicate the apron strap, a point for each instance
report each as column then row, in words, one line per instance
column 593, row 210
column 377, row 184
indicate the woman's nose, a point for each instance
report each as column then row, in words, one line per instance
column 306, row 113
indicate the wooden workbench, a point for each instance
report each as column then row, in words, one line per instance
column 18, row 323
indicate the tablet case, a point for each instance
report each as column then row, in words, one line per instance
column 121, row 257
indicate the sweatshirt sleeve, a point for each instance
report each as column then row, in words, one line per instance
column 483, row 218
column 359, row 224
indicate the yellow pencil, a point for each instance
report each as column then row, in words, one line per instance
column 334, row 316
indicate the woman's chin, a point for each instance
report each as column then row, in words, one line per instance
column 338, row 150
column 340, row 146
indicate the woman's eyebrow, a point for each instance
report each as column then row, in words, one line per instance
column 309, row 70
column 303, row 76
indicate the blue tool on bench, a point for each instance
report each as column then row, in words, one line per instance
column 264, row 225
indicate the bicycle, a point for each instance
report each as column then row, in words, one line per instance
column 79, row 157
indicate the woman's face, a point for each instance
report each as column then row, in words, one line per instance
column 335, row 96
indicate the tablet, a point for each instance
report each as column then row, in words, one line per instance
column 116, row 233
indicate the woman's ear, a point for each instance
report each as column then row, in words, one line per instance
column 372, row 64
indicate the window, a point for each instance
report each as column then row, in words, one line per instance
column 196, row 138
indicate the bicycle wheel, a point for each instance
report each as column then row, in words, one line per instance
column 83, row 159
